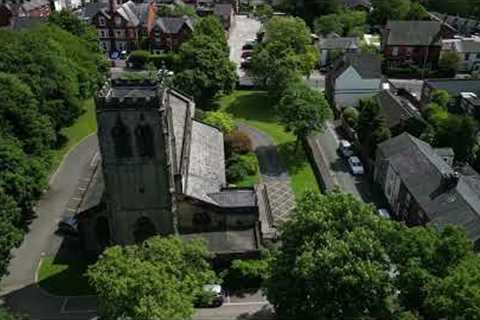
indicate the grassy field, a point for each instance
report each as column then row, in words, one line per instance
column 255, row 109
column 65, row 278
column 84, row 126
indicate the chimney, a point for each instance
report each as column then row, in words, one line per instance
column 450, row 180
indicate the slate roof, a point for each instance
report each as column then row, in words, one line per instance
column 135, row 13
column 421, row 170
column 206, row 170
column 368, row 66
column 92, row 8
column 34, row 4
column 343, row 43
column 455, row 86
column 357, row 3
column 223, row 9
column 395, row 109
column 20, row 23
column 182, row 109
column 413, row 33
column 468, row 46
column 235, row 198
column 462, row 25
column 173, row 25
column 239, row 241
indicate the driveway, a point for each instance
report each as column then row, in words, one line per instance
column 245, row 29
column 19, row 288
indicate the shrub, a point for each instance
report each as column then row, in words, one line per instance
column 221, row 120
column 138, row 58
column 167, row 60
column 237, row 142
column 350, row 115
column 241, row 166
column 246, row 274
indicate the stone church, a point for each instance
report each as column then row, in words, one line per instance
column 162, row 172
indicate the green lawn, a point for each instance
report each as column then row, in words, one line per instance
column 85, row 125
column 254, row 108
column 65, row 278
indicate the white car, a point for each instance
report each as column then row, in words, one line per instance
column 356, row 166
column 345, row 148
column 382, row 212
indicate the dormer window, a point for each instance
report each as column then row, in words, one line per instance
column 101, row 21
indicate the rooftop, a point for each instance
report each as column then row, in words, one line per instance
column 413, row 33
column 238, row 241
column 455, row 86
column 422, row 171
column 338, row 43
column 368, row 66
column 395, row 109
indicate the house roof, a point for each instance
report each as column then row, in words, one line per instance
column 422, row 172
column 455, row 86
column 235, row 198
column 468, row 46
column 344, row 43
column 20, row 23
column 92, row 8
column 134, row 13
column 395, row 109
column 227, row 241
column 462, row 25
column 368, row 66
column 223, row 9
column 357, row 3
column 413, row 33
column 34, row 4
column 173, row 25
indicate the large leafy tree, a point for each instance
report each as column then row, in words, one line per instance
column 302, row 110
column 308, row 9
column 158, row 279
column 10, row 232
column 20, row 117
column 205, row 66
column 286, row 53
column 384, row 10
column 344, row 23
column 339, row 260
column 371, row 127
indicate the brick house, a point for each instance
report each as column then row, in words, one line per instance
column 121, row 26
column 422, row 187
column 407, row 43
column 170, row 32
column 28, row 8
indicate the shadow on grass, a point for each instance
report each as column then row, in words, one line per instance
column 64, row 274
column 250, row 105
column 293, row 156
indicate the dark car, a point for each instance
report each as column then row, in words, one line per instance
column 68, row 226
column 250, row 45
column 247, row 53
column 245, row 63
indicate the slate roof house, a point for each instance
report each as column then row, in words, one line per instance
column 352, row 77
column 170, row 32
column 466, row 93
column 464, row 26
column 9, row 10
column 397, row 111
column 422, row 187
column 163, row 172
column 331, row 48
column 468, row 50
column 412, row 43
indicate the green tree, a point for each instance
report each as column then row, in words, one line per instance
column 384, row 10
column 441, row 98
column 302, row 110
column 328, row 24
column 264, row 11
column 20, row 117
column 331, row 264
column 371, row 127
column 158, row 279
column 308, row 10
column 211, row 26
column 221, row 120
column 449, row 63
column 417, row 12
column 177, row 9
column 459, row 133
column 10, row 232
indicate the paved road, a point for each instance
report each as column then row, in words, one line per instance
column 19, row 288
column 245, row 29
column 328, row 142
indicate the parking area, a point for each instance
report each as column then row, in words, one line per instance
column 326, row 144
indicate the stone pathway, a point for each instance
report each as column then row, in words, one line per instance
column 277, row 190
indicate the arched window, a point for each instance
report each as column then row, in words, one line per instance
column 144, row 229
column 102, row 231
column 122, row 140
column 144, row 140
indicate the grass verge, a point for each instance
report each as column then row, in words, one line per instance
column 255, row 109
column 65, row 278
column 85, row 125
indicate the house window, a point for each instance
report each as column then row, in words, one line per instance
column 395, row 51
column 101, row 21
column 467, row 56
column 478, row 55
column 409, row 51
column 118, row 21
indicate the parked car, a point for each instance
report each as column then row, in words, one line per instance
column 68, row 226
column 384, row 213
column 212, row 296
column 250, row 45
column 345, row 148
column 247, row 53
column 356, row 166
column 245, row 62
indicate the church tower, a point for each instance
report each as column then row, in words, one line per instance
column 137, row 160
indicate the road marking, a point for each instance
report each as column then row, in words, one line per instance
column 82, row 188
column 94, row 159
column 76, row 199
column 71, row 210
column 64, row 303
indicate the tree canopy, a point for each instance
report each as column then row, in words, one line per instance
column 205, row 68
column 344, row 23
column 158, row 279
column 371, row 127
column 340, row 260
column 302, row 110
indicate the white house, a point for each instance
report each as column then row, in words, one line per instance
column 468, row 49
column 352, row 78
